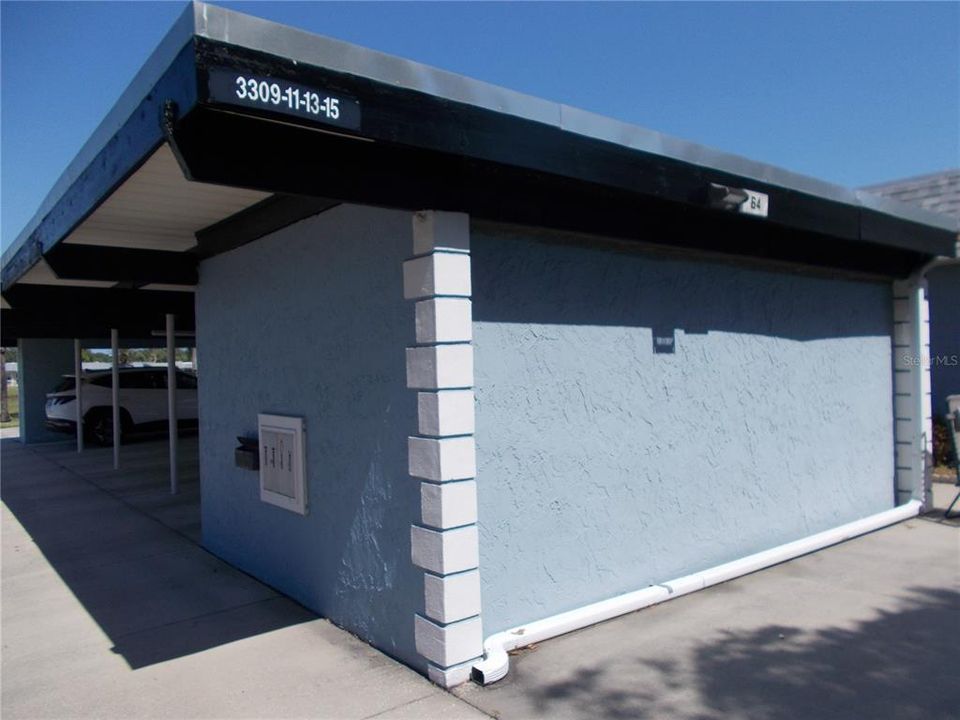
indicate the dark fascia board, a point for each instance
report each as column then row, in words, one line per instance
column 473, row 110
column 397, row 116
column 399, row 177
column 51, row 311
column 304, row 48
column 630, row 196
column 122, row 265
column 267, row 216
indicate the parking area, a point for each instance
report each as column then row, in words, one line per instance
column 866, row 629
column 143, row 482
column 111, row 610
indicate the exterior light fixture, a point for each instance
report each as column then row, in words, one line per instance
column 723, row 197
column 747, row 202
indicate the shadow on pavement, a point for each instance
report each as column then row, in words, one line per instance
column 900, row 664
column 154, row 593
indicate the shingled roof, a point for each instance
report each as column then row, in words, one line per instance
column 937, row 192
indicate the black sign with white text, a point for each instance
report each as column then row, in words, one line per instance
column 240, row 88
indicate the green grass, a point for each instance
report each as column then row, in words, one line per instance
column 13, row 395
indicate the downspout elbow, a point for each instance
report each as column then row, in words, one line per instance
column 495, row 663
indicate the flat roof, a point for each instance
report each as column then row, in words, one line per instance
column 255, row 33
column 441, row 115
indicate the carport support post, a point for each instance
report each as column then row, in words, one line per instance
column 115, row 395
column 78, row 384
column 172, row 401
column 42, row 364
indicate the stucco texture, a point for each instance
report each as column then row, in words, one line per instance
column 42, row 364
column 310, row 321
column 604, row 467
column 944, row 296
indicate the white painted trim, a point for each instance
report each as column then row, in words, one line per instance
column 440, row 367
column 913, row 424
column 446, row 412
column 443, row 320
column 442, row 459
column 450, row 644
column 440, row 273
column 448, row 505
column 451, row 598
column 445, row 551
column 450, row 633
column 437, row 230
column 450, row 676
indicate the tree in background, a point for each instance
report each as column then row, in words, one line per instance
column 137, row 355
column 90, row 356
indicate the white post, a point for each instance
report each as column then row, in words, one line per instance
column 78, row 377
column 115, row 396
column 172, row 401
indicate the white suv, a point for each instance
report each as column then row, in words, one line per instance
column 143, row 402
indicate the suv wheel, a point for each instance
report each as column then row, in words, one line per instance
column 98, row 426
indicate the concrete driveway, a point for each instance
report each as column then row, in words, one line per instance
column 110, row 610
column 867, row 629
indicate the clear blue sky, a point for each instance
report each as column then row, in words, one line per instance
column 851, row 93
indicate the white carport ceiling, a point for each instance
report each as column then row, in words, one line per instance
column 157, row 208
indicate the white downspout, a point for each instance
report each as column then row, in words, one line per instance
column 496, row 662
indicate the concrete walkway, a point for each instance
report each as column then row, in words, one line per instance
column 110, row 610
column 867, row 629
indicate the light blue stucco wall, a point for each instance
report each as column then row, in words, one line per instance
column 944, row 297
column 604, row 467
column 311, row 321
column 42, row 363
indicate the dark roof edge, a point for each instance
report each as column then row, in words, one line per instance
column 220, row 24
column 142, row 84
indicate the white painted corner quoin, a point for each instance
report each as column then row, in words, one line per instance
column 912, row 407
column 442, row 455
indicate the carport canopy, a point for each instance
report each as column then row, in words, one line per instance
column 161, row 185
